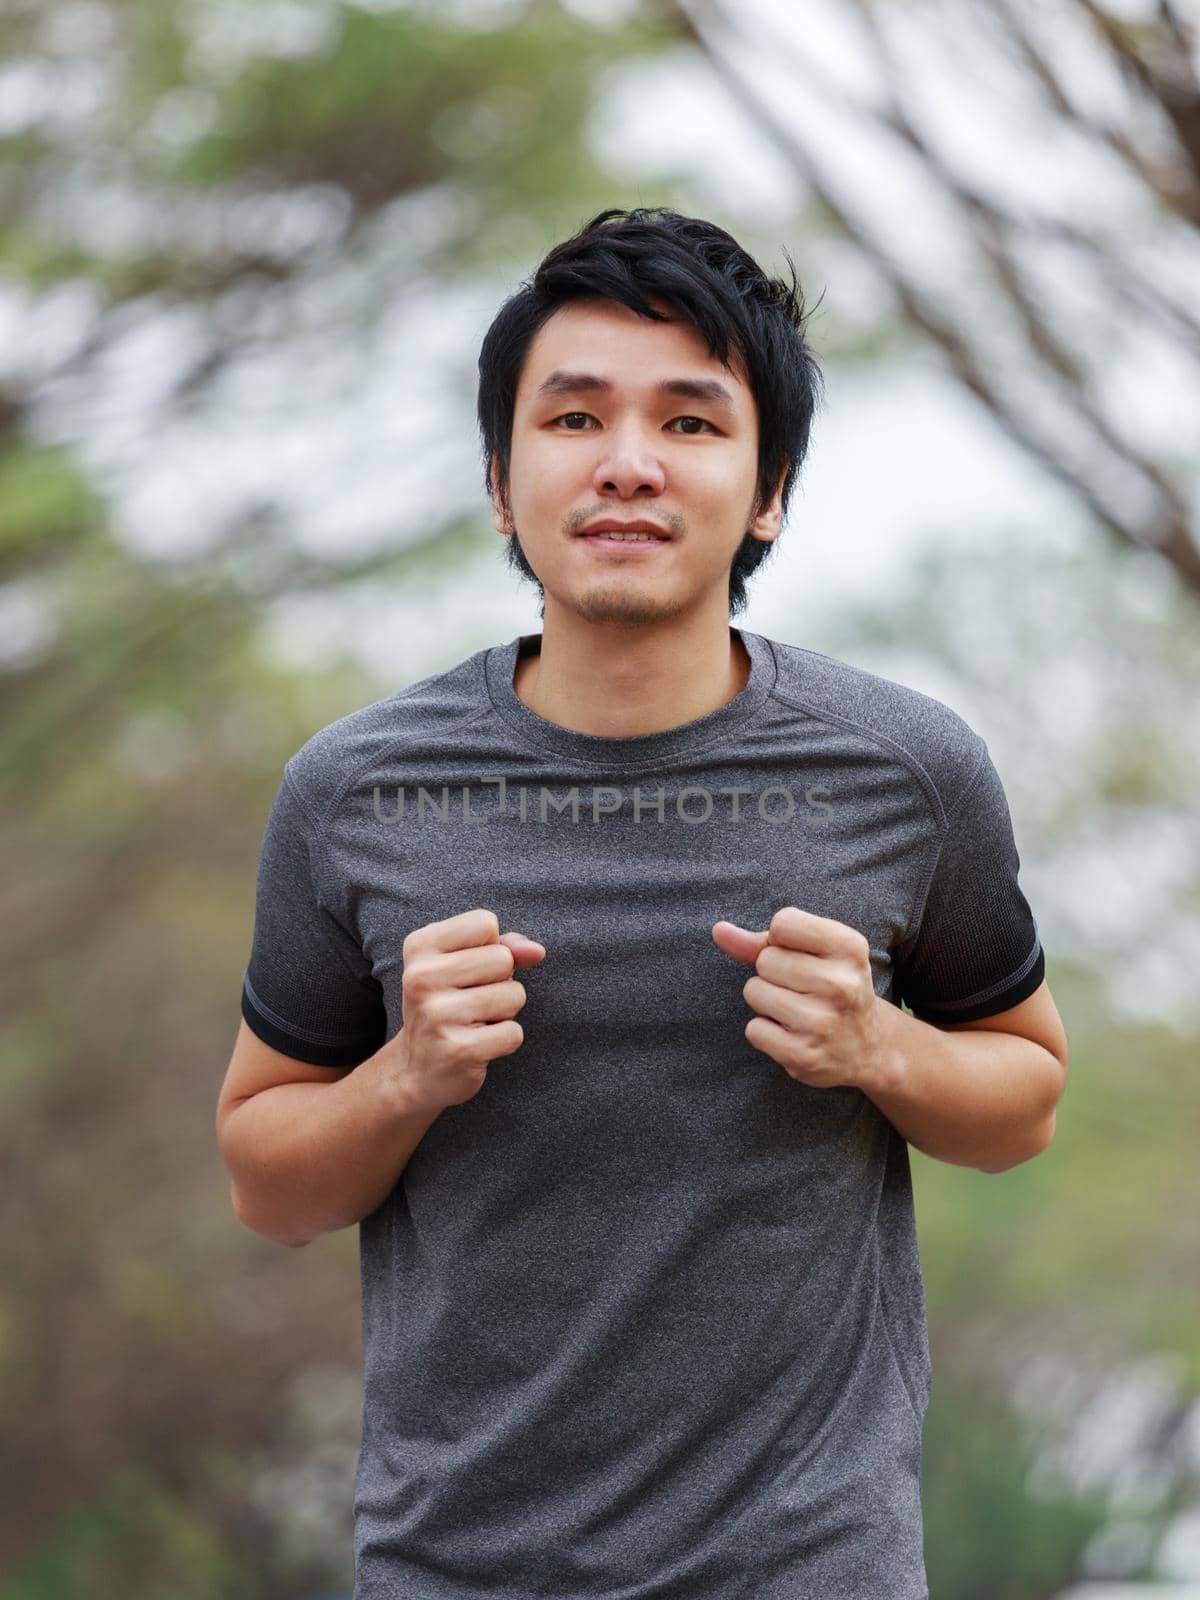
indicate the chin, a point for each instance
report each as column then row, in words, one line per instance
column 630, row 608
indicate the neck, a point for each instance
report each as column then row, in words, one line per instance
column 618, row 682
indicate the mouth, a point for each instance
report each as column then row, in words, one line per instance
column 615, row 534
column 626, row 544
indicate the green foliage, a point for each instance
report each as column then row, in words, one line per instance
column 987, row 1536
column 393, row 102
column 143, row 739
column 134, row 1537
column 45, row 506
column 1093, row 1234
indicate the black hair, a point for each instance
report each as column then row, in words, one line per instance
column 630, row 257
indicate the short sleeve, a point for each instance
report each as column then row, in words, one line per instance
column 308, row 989
column 975, row 950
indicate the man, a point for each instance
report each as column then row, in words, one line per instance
column 643, row 1308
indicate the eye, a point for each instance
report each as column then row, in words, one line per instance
column 568, row 414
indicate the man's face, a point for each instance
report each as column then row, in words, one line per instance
column 632, row 451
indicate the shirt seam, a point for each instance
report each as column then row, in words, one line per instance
column 906, row 757
column 941, row 818
column 334, row 1041
column 662, row 763
column 913, row 926
column 320, row 822
column 364, row 981
column 992, row 989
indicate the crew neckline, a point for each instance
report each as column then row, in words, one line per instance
column 500, row 664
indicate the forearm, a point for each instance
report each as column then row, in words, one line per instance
column 309, row 1158
column 973, row 1098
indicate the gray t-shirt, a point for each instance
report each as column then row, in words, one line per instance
column 644, row 1318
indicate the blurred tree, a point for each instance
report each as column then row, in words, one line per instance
column 1053, row 152
column 986, row 1536
column 193, row 192
column 185, row 189
column 1080, row 669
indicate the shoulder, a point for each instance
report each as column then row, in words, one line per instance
column 933, row 740
column 345, row 750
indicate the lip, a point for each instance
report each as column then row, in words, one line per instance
column 603, row 544
column 612, row 525
column 595, row 536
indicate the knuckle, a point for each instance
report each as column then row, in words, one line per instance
column 459, row 1051
column 417, row 978
column 861, row 947
column 435, row 1009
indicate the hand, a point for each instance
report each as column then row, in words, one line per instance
column 460, row 1003
column 818, row 1014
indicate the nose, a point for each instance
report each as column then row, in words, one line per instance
column 628, row 464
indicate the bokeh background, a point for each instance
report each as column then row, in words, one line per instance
column 247, row 254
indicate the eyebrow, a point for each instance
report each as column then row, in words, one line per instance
column 707, row 390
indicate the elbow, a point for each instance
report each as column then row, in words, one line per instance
column 1043, row 1134
column 1047, row 1136
column 247, row 1218
column 1044, row 1137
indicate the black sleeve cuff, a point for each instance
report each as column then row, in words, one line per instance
column 318, row 1055
column 995, row 1002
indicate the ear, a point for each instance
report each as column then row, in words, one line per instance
column 766, row 526
column 501, row 518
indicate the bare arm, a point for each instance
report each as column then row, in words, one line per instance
column 312, row 1149
column 310, row 1157
column 975, row 1094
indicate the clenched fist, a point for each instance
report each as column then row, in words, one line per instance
column 817, row 1013
column 460, row 1002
